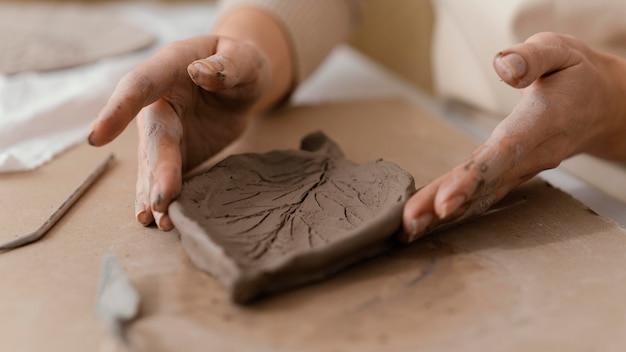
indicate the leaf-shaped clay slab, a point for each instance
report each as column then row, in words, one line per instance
column 266, row 222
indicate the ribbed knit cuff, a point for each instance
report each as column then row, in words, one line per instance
column 314, row 26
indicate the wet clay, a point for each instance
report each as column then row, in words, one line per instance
column 267, row 222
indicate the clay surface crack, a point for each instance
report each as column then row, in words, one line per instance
column 268, row 238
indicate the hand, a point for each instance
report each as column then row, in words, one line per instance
column 572, row 102
column 192, row 99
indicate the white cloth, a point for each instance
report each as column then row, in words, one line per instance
column 43, row 114
column 34, row 127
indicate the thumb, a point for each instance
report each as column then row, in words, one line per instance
column 214, row 73
column 233, row 65
column 540, row 55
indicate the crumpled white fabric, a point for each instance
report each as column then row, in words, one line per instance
column 36, row 150
column 38, row 113
column 43, row 114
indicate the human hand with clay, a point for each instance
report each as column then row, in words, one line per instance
column 192, row 99
column 572, row 102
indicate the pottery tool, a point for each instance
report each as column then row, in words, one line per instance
column 62, row 210
column 118, row 301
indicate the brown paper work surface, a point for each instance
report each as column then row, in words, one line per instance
column 543, row 275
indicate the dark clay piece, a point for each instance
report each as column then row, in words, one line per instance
column 267, row 222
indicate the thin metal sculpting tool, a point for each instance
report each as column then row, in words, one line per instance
column 62, row 210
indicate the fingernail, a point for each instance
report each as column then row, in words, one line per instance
column 209, row 66
column 512, row 65
column 215, row 64
column 165, row 224
column 202, row 68
column 419, row 224
column 451, row 206
column 90, row 139
column 142, row 217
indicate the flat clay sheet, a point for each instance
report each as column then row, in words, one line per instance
column 266, row 222
column 48, row 36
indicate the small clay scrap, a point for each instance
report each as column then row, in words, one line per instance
column 266, row 222
column 118, row 301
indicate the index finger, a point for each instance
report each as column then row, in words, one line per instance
column 146, row 84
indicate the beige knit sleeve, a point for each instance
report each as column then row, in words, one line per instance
column 314, row 26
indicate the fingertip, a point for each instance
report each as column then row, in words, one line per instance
column 90, row 139
column 210, row 73
column 166, row 223
column 407, row 227
column 144, row 217
column 512, row 68
column 444, row 208
column 94, row 131
column 214, row 63
column 416, row 227
column 163, row 221
column 97, row 138
column 109, row 124
column 417, row 215
column 143, row 213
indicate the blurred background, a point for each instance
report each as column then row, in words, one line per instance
column 386, row 29
column 397, row 34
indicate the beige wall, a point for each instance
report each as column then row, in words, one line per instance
column 397, row 33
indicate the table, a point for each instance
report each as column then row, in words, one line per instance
column 546, row 274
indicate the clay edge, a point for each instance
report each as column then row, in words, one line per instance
column 224, row 265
